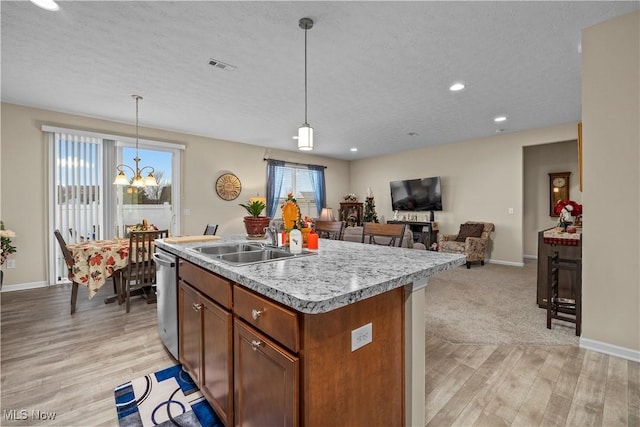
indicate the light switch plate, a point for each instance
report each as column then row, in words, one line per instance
column 361, row 336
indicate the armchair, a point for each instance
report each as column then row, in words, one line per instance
column 472, row 240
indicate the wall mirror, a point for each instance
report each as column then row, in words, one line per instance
column 558, row 189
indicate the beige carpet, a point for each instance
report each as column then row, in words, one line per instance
column 491, row 304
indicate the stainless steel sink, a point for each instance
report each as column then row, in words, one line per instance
column 227, row 249
column 246, row 253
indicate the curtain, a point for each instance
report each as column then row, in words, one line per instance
column 316, row 176
column 275, row 173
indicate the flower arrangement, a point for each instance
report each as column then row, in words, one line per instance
column 7, row 247
column 576, row 208
column 350, row 197
column 567, row 211
column 307, row 222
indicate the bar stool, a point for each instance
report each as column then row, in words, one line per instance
column 561, row 308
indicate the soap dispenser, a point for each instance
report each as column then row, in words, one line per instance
column 295, row 240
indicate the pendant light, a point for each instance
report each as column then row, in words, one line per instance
column 137, row 180
column 305, row 132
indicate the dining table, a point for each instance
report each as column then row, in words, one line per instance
column 95, row 261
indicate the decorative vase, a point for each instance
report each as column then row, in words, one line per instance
column 255, row 226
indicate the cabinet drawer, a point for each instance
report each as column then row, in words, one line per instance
column 279, row 322
column 214, row 287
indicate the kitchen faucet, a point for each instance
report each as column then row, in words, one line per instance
column 272, row 235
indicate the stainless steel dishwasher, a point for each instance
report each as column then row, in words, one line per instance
column 167, row 296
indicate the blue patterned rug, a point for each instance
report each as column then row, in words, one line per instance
column 165, row 398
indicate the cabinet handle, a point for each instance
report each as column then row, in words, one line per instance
column 196, row 306
column 255, row 345
column 256, row 313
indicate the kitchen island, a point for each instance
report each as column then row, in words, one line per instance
column 347, row 326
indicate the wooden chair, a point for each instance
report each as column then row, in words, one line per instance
column 390, row 233
column 68, row 260
column 140, row 273
column 210, row 229
column 330, row 229
column 560, row 307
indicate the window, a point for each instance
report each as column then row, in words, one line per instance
column 306, row 182
column 83, row 202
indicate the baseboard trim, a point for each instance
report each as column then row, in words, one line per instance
column 511, row 263
column 24, row 286
column 530, row 256
column 613, row 350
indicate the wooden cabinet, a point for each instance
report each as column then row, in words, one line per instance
column 566, row 280
column 261, row 363
column 351, row 213
column 206, row 339
column 266, row 380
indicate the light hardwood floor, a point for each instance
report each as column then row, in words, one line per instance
column 54, row 362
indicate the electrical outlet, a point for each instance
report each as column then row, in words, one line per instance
column 11, row 263
column 361, row 336
column 510, row 211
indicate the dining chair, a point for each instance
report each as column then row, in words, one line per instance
column 68, row 260
column 210, row 229
column 388, row 234
column 330, row 229
column 140, row 273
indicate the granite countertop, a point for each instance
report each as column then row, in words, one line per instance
column 339, row 274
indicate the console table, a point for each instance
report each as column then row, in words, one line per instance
column 423, row 232
column 568, row 246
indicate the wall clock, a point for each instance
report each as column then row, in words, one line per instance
column 558, row 189
column 228, row 186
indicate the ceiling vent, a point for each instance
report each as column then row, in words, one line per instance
column 221, row 65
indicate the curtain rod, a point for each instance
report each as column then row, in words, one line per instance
column 293, row 163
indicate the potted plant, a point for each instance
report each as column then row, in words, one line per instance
column 254, row 223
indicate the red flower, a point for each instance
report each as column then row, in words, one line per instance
column 576, row 207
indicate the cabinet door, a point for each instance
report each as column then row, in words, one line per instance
column 217, row 367
column 190, row 325
column 266, row 381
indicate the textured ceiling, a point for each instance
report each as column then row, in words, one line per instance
column 376, row 70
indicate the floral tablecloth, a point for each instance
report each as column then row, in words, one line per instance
column 95, row 261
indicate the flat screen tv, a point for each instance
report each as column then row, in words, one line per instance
column 422, row 194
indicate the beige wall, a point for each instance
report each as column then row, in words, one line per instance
column 539, row 162
column 24, row 155
column 611, row 141
column 481, row 180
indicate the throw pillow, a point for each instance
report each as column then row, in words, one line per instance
column 469, row 230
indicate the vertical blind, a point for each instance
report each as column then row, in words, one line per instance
column 78, row 191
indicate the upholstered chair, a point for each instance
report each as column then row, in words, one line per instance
column 472, row 240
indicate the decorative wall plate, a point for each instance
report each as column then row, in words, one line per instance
column 228, row 186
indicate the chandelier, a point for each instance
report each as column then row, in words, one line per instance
column 305, row 132
column 138, row 180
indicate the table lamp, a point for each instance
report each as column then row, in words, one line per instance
column 327, row 215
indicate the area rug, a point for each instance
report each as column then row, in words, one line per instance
column 491, row 304
column 165, row 398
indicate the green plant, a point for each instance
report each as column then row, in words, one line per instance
column 254, row 208
column 7, row 248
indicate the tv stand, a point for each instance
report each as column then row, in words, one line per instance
column 423, row 231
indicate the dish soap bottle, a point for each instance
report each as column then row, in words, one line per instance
column 295, row 240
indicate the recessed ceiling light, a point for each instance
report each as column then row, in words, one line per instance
column 295, row 137
column 457, row 87
column 499, row 119
column 354, row 149
column 46, row 4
